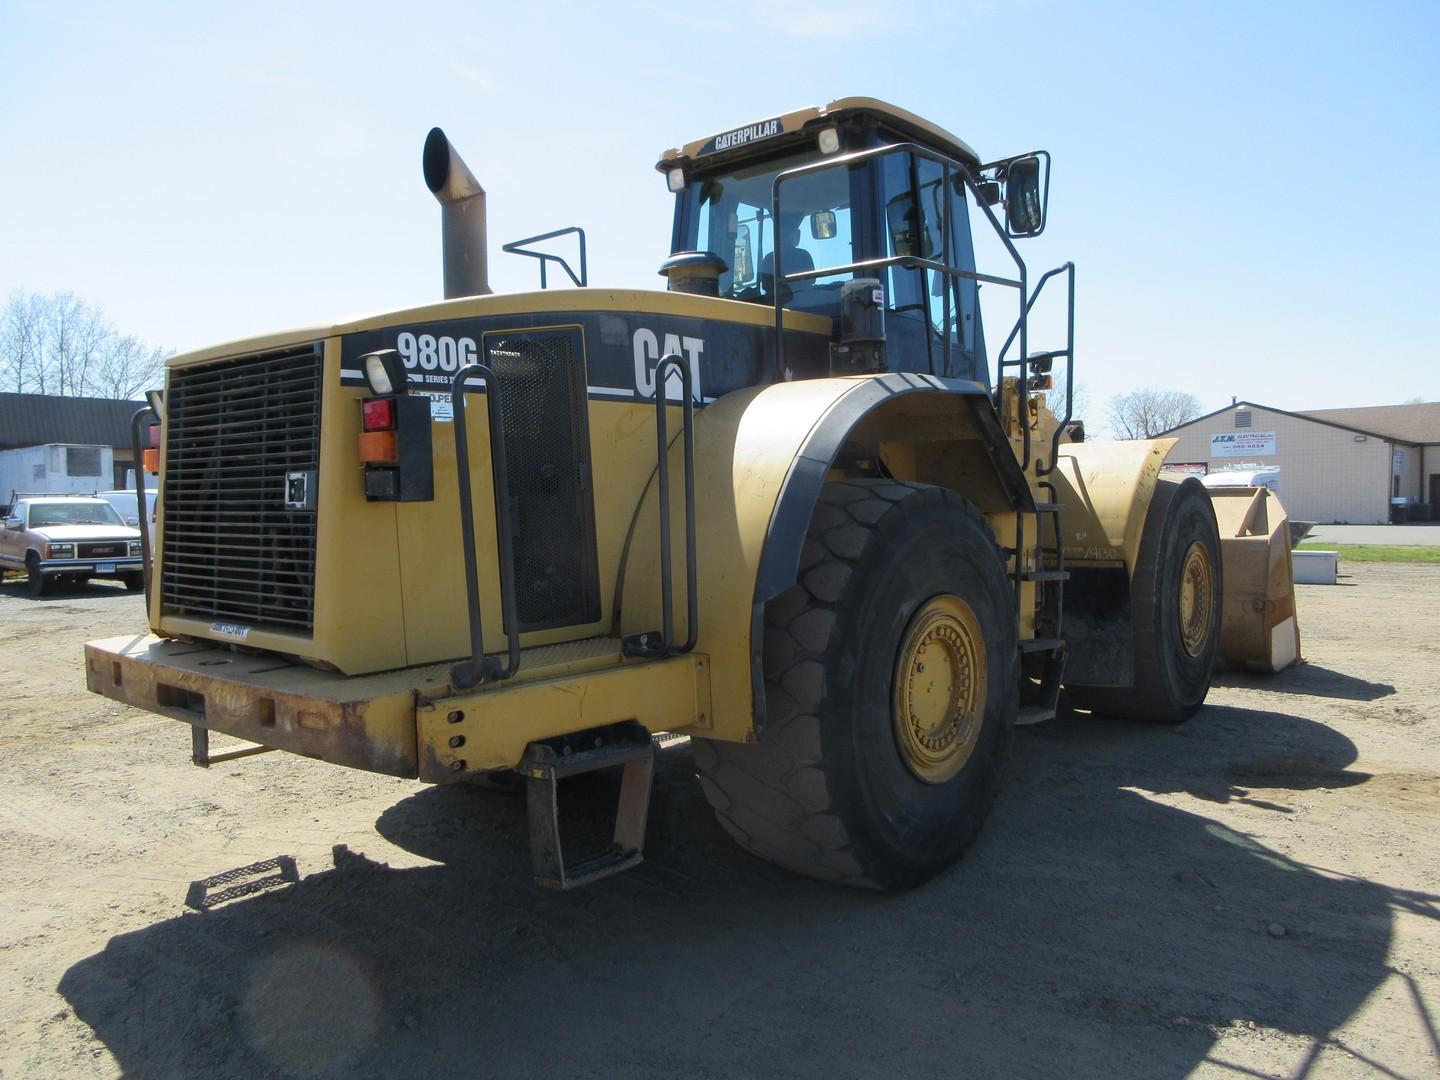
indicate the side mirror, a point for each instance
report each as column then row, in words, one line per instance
column 1025, row 196
column 822, row 224
column 12, row 522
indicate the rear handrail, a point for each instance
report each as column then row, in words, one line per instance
column 666, row 646
column 479, row 668
column 142, row 508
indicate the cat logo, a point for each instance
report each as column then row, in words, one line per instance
column 649, row 348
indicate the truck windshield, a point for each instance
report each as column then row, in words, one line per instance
column 61, row 513
column 729, row 214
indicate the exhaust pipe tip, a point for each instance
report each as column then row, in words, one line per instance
column 446, row 174
column 462, row 216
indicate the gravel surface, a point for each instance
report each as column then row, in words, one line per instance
column 1254, row 893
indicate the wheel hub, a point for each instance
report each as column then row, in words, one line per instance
column 940, row 689
column 1196, row 596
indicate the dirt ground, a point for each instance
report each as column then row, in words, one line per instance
column 1254, row 893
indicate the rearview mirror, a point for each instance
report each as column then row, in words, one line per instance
column 1024, row 198
column 822, row 224
column 744, row 265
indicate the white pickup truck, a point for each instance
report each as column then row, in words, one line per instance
column 54, row 538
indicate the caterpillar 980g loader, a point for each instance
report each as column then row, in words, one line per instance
column 791, row 507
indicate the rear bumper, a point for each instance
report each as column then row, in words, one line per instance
column 363, row 722
column 403, row 723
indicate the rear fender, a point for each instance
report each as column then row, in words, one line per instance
column 761, row 457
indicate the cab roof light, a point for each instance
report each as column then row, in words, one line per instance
column 829, row 140
column 675, row 179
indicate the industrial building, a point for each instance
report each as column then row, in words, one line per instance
column 1358, row 466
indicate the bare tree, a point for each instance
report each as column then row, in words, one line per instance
column 59, row 344
column 1143, row 414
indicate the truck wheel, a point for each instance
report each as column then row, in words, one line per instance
column 38, row 584
column 1175, row 598
column 890, row 693
column 134, row 582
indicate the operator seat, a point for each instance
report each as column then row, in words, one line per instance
column 793, row 260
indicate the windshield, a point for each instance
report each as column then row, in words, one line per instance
column 77, row 513
column 730, row 215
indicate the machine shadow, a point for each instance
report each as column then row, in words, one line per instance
column 1308, row 678
column 1092, row 930
column 19, row 588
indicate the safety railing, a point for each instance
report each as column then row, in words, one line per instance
column 515, row 247
column 479, row 668
column 950, row 168
column 644, row 644
column 1028, row 364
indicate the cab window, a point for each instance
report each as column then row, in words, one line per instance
column 732, row 218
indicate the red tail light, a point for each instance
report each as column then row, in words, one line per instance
column 378, row 414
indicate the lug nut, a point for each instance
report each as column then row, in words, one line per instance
column 457, row 766
column 457, row 741
column 456, row 716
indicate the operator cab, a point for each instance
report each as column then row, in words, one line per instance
column 857, row 210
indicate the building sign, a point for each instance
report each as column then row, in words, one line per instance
column 1243, row 444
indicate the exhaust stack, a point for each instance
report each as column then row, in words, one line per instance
column 462, row 217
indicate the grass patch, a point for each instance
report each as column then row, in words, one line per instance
column 1377, row 552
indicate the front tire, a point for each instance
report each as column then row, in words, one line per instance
column 134, row 582
column 1175, row 598
column 38, row 585
column 891, row 690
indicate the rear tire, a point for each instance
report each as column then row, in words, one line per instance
column 38, row 584
column 134, row 582
column 1175, row 598
column 892, row 575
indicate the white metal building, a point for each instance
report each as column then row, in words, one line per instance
column 1337, row 465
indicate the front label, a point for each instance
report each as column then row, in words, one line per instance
column 729, row 140
column 233, row 631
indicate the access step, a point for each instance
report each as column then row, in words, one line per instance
column 1041, row 644
column 1045, row 575
column 634, row 752
column 1049, row 508
column 1033, row 714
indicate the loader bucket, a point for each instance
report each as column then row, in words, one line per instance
column 1258, row 629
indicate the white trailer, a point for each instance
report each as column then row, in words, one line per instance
column 56, row 469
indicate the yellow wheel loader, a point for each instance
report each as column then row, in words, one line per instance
column 791, row 507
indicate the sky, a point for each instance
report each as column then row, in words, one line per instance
column 1248, row 189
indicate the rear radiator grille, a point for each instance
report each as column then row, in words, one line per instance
column 234, row 432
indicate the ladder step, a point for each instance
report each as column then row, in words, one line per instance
column 1045, row 575
column 1049, row 508
column 1041, row 644
column 544, row 768
column 604, row 757
column 1033, row 714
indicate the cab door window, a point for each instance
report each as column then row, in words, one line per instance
column 914, row 222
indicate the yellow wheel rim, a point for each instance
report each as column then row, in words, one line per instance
column 940, row 689
column 1197, row 588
